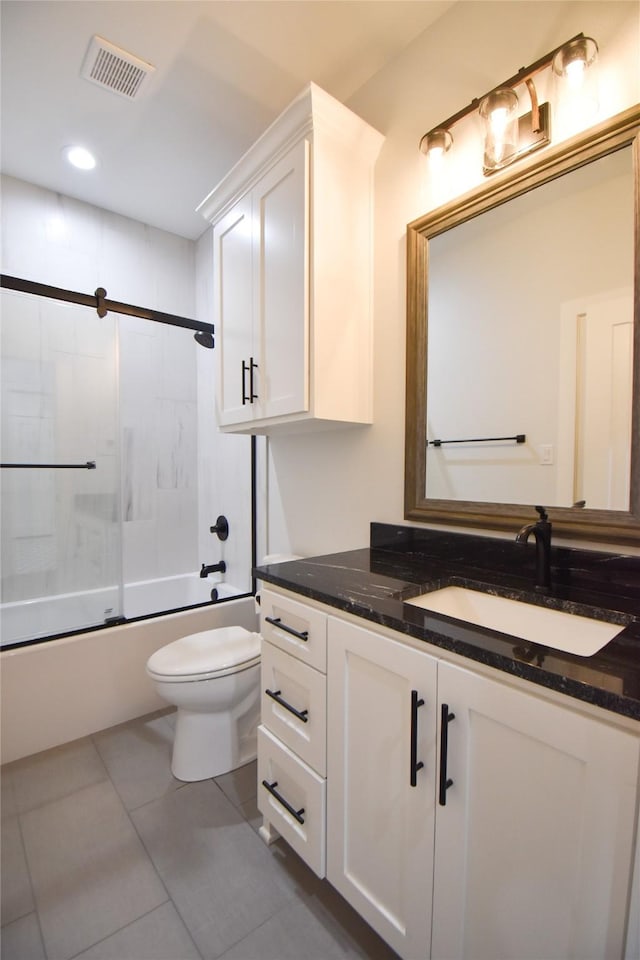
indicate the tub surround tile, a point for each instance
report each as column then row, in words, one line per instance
column 404, row 562
column 223, row 883
column 159, row 935
column 21, row 940
column 137, row 756
column 90, row 873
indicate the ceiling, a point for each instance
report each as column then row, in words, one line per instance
column 224, row 70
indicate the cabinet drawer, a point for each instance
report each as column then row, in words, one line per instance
column 301, row 789
column 297, row 629
column 294, row 705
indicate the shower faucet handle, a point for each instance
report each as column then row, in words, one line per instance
column 221, row 528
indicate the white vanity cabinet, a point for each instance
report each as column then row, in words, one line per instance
column 292, row 256
column 534, row 842
column 292, row 735
column 467, row 816
column 381, row 776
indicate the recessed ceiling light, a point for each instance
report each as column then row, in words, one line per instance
column 80, row 157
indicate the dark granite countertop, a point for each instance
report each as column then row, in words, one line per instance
column 403, row 562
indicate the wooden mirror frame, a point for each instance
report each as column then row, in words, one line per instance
column 612, row 526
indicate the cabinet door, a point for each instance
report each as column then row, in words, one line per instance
column 280, row 209
column 233, row 311
column 534, row 842
column 380, row 805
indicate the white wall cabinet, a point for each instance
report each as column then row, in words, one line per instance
column 292, row 231
column 514, row 839
column 261, row 321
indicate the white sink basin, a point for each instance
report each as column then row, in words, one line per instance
column 579, row 635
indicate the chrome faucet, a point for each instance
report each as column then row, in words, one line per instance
column 212, row 568
column 541, row 529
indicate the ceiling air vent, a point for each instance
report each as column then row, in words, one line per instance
column 113, row 68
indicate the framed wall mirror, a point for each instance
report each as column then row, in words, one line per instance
column 523, row 345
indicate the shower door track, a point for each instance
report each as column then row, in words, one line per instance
column 99, row 302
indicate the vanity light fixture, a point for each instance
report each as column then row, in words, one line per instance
column 509, row 135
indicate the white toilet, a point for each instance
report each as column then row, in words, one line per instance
column 213, row 678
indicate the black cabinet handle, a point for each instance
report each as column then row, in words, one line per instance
column 300, row 714
column 271, row 787
column 277, row 622
column 245, row 398
column 415, row 763
column 444, row 738
column 252, row 366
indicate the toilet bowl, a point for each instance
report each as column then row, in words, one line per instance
column 213, row 678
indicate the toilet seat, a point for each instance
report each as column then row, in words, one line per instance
column 205, row 655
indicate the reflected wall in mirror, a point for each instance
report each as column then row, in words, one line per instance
column 521, row 322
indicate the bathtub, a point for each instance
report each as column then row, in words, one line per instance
column 70, row 687
column 47, row 616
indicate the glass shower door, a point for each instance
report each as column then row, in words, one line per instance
column 60, row 514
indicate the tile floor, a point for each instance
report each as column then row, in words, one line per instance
column 105, row 856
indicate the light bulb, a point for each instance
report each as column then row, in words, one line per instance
column 80, row 157
column 499, row 113
column 574, row 73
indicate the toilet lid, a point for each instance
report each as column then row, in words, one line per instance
column 209, row 652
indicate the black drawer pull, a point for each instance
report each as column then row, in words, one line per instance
column 446, row 717
column 415, row 763
column 300, row 714
column 277, row 622
column 271, row 787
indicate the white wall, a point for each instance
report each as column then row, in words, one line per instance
column 325, row 489
column 54, row 239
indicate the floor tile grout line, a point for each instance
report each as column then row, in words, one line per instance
column 126, row 926
column 135, row 830
column 251, row 933
column 156, row 871
column 175, row 905
column 34, row 899
column 62, row 796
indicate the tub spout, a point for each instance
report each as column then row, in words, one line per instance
column 212, row 568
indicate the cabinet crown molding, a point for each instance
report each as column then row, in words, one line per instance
column 313, row 113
